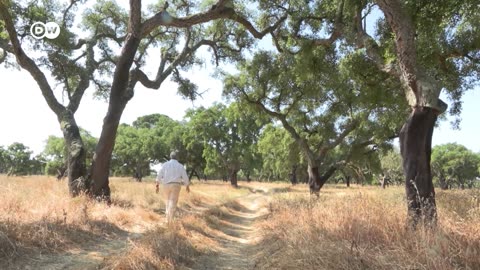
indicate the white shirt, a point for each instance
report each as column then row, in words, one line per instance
column 172, row 172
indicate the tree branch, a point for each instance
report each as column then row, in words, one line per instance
column 27, row 63
column 162, row 73
column 222, row 10
column 365, row 41
column 283, row 119
column 336, row 33
column 135, row 18
column 403, row 28
column 87, row 72
column 348, row 129
column 67, row 10
column 330, row 172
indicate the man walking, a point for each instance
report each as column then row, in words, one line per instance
column 172, row 175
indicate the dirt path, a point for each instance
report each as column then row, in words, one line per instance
column 238, row 236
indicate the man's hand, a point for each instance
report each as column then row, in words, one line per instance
column 156, row 188
column 187, row 189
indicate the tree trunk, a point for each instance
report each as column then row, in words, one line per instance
column 416, row 148
column 100, row 170
column 76, row 154
column 347, row 180
column 103, row 154
column 138, row 173
column 119, row 98
column 199, row 177
column 61, row 172
column 247, row 174
column 470, row 184
column 384, row 181
column 293, row 175
column 316, row 181
column 443, row 182
column 233, row 177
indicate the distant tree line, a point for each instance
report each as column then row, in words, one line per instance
column 230, row 142
column 454, row 165
column 17, row 159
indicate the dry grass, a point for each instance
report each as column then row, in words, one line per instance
column 38, row 216
column 354, row 228
column 364, row 228
column 160, row 248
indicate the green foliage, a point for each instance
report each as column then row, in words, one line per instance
column 279, row 152
column 228, row 135
column 363, row 165
column 106, row 23
column 454, row 164
column 193, row 147
column 339, row 107
column 55, row 153
column 159, row 131
column 447, row 40
column 392, row 166
column 55, row 167
column 17, row 159
column 447, row 37
column 131, row 153
column 4, row 160
column 148, row 141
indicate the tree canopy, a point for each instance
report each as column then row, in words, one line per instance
column 229, row 135
column 453, row 164
column 280, row 154
column 17, row 159
column 149, row 140
column 323, row 101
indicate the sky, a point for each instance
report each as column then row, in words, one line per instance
column 26, row 118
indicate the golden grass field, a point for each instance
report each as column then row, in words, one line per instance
column 364, row 228
column 41, row 227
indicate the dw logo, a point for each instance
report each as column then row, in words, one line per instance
column 49, row 30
